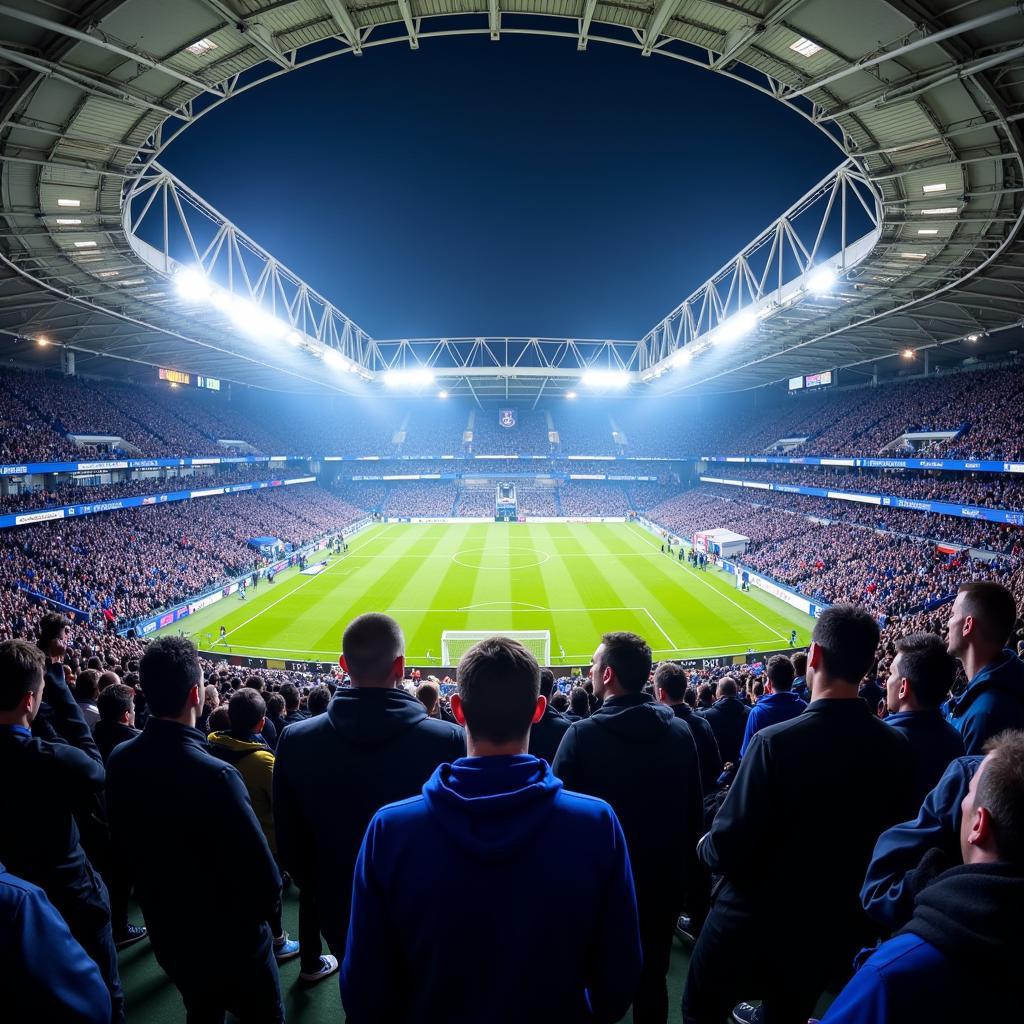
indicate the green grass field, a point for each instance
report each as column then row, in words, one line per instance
column 577, row 580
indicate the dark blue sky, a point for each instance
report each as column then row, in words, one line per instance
column 517, row 187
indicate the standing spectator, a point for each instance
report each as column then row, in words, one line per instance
column 318, row 699
column 920, row 678
column 290, row 693
column 728, row 720
column 87, row 691
column 173, row 808
column 828, row 809
column 47, row 783
column 269, row 734
column 116, row 706
column 959, row 957
column 275, row 716
column 670, row 684
column 800, row 687
column 429, row 695
column 634, row 753
column 374, row 745
column 779, row 703
column 51, row 978
column 546, row 734
column 980, row 625
column 488, row 827
column 579, row 704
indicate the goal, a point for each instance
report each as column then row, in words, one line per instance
column 455, row 642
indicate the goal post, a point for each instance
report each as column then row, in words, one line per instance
column 455, row 642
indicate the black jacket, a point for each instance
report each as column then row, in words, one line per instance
column 112, row 734
column 800, row 798
column 46, row 784
column 175, row 811
column 640, row 758
column 335, row 771
column 269, row 733
column 728, row 720
column 707, row 746
column 547, row 734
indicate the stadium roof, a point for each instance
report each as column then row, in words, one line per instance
column 923, row 101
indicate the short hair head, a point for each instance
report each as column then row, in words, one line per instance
column 168, row 672
column 1001, row 792
column 318, row 699
column 547, row 682
column 929, row 668
column 671, row 678
column 290, row 696
column 275, row 704
column 579, row 701
column 847, row 637
column 21, row 671
column 428, row 695
column 992, row 607
column 87, row 684
column 245, row 709
column 800, row 663
column 51, row 626
column 780, row 673
column 727, row 687
column 629, row 657
column 114, row 701
column 370, row 645
column 499, row 682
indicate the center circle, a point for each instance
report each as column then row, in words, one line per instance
column 500, row 558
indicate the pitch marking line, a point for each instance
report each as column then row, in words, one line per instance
column 671, row 642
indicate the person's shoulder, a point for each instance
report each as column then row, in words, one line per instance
column 905, row 953
column 400, row 813
column 582, row 806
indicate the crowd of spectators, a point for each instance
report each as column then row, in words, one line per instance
column 421, row 499
column 529, row 435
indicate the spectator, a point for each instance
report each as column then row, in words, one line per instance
column 728, row 720
column 560, row 702
column 290, row 693
column 779, row 703
column 87, row 691
column 48, row 781
column 51, row 978
column 172, row 804
column 546, row 734
column 800, row 687
column 487, row 827
column 980, row 625
column 959, row 957
column 269, row 733
column 828, row 809
column 374, row 732
column 920, row 678
column 670, row 684
column 275, row 714
column 634, row 753
column 318, row 699
column 116, row 725
column 579, row 704
column 429, row 695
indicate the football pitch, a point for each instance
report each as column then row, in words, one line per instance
column 577, row 580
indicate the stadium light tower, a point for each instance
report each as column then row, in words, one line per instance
column 417, row 377
column 605, row 380
column 822, row 281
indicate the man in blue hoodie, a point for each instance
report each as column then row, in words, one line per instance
column 980, row 625
column 958, row 959
column 779, row 703
column 462, row 867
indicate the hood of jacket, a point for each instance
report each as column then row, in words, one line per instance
column 492, row 806
column 1005, row 674
column 229, row 742
column 972, row 913
column 372, row 716
column 636, row 717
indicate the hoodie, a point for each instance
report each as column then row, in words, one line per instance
column 371, row 747
column 957, row 960
column 635, row 754
column 466, row 861
column 771, row 709
column 255, row 763
column 992, row 702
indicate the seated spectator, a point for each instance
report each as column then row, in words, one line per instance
column 670, row 684
column 728, row 720
column 173, row 804
column 980, row 625
column 116, row 725
column 50, row 976
column 959, row 957
column 374, row 732
column 546, row 734
column 779, row 703
column 488, row 827
column 920, row 678
column 39, row 837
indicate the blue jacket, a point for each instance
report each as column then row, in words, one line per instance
column 934, row 743
column 992, row 702
column 899, row 868
column 450, row 905
column 957, row 960
column 51, row 977
column 770, row 710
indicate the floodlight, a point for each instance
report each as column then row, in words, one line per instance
column 821, row 281
column 417, row 377
column 293, row 338
column 605, row 379
column 334, row 358
column 570, row 394
column 736, row 326
column 908, row 353
column 193, row 285
column 42, row 341
column 442, row 394
column 682, row 357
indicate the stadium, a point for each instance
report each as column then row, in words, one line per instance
column 802, row 483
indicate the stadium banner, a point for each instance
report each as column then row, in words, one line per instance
column 507, row 418
column 106, row 465
column 950, row 465
column 776, row 589
column 992, row 515
column 114, row 504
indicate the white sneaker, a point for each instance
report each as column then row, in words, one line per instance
column 328, row 965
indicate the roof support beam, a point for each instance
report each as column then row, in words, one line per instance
column 252, row 33
column 734, row 48
column 494, row 18
column 589, row 6
column 659, row 19
column 342, row 17
column 410, row 26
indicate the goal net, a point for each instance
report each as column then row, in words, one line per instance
column 455, row 642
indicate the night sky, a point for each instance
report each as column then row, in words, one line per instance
column 518, row 187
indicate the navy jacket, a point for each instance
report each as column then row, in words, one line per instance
column 173, row 808
column 907, row 856
column 50, row 976
column 933, row 742
column 957, row 960
column 109, row 735
column 547, row 734
column 335, row 771
column 707, row 746
column 801, row 689
column 799, row 798
column 634, row 753
column 728, row 719
column 470, row 857
column 771, row 709
column 992, row 702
